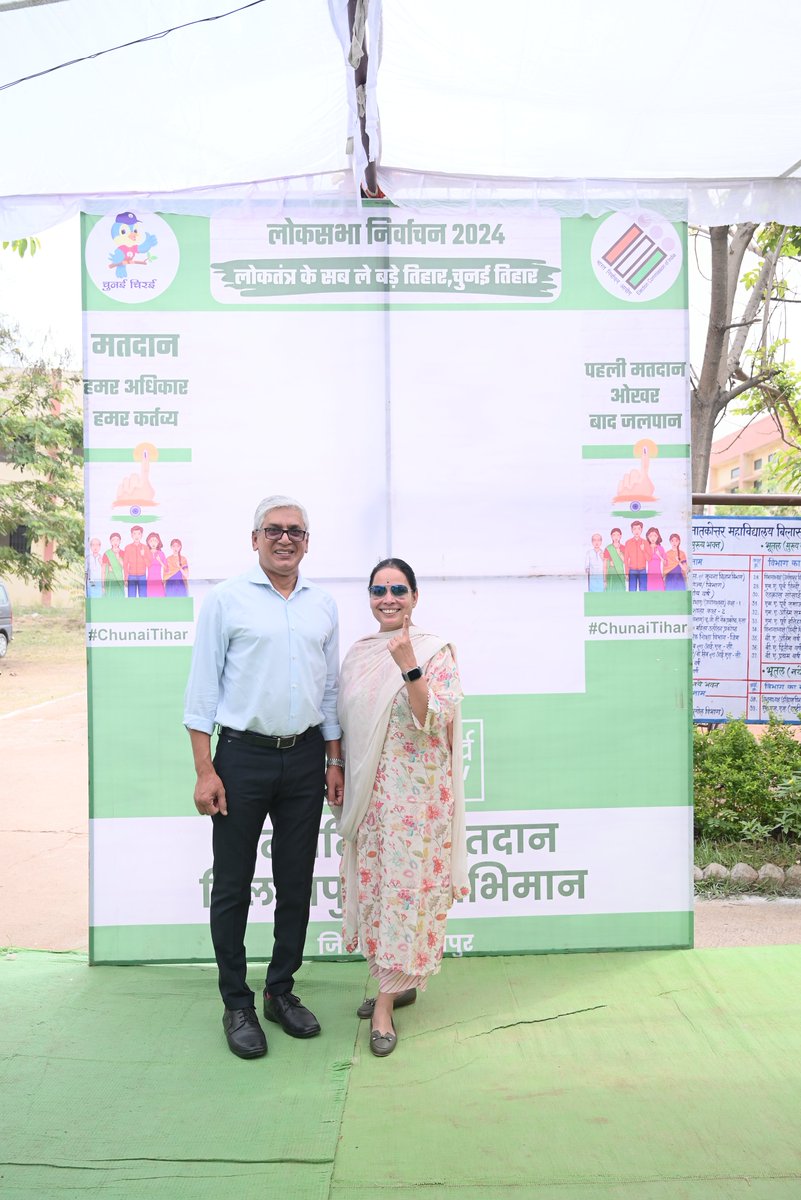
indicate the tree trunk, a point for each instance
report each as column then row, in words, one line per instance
column 703, row 414
column 706, row 398
column 724, row 343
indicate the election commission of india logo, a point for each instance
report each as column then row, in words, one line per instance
column 132, row 255
column 636, row 255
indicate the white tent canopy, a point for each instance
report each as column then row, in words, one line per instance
column 597, row 103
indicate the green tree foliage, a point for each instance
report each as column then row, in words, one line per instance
column 23, row 246
column 744, row 788
column 41, row 440
column 745, row 358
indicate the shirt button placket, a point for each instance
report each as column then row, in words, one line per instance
column 292, row 670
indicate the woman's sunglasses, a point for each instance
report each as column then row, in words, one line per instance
column 380, row 589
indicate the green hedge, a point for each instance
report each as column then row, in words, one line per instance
column 747, row 789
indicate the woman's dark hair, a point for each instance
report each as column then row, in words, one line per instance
column 399, row 565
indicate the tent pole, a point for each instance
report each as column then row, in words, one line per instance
column 370, row 181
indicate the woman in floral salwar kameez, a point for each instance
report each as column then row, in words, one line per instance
column 402, row 822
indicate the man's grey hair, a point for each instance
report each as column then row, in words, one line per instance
column 270, row 502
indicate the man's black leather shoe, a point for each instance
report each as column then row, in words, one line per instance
column 244, row 1033
column 288, row 1012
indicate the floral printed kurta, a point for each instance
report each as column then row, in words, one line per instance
column 404, row 841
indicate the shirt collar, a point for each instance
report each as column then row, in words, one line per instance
column 256, row 575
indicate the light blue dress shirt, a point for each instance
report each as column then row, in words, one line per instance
column 264, row 662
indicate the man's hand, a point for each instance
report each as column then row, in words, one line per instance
column 335, row 786
column 210, row 794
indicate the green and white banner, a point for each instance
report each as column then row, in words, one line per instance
column 499, row 397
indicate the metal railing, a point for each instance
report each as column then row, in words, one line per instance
column 761, row 499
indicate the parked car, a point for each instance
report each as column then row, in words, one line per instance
column 6, row 622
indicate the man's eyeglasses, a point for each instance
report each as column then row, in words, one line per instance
column 274, row 533
column 380, row 589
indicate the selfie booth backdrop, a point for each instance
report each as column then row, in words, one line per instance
column 484, row 389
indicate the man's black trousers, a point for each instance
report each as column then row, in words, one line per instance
column 287, row 787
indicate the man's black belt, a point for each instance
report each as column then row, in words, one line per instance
column 268, row 743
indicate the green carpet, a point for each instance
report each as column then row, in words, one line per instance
column 661, row 1075
column 117, row 1082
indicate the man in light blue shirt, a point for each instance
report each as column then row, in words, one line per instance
column 265, row 668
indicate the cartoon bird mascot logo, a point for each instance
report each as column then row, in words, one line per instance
column 133, row 244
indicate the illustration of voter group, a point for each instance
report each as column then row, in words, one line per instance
column 136, row 564
column 635, row 557
column 639, row 564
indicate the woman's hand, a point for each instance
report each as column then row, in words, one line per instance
column 401, row 649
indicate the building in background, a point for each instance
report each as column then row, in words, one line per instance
column 740, row 461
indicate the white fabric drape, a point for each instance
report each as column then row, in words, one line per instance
column 600, row 107
column 701, row 204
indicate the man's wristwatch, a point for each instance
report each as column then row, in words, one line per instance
column 335, row 762
column 410, row 676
